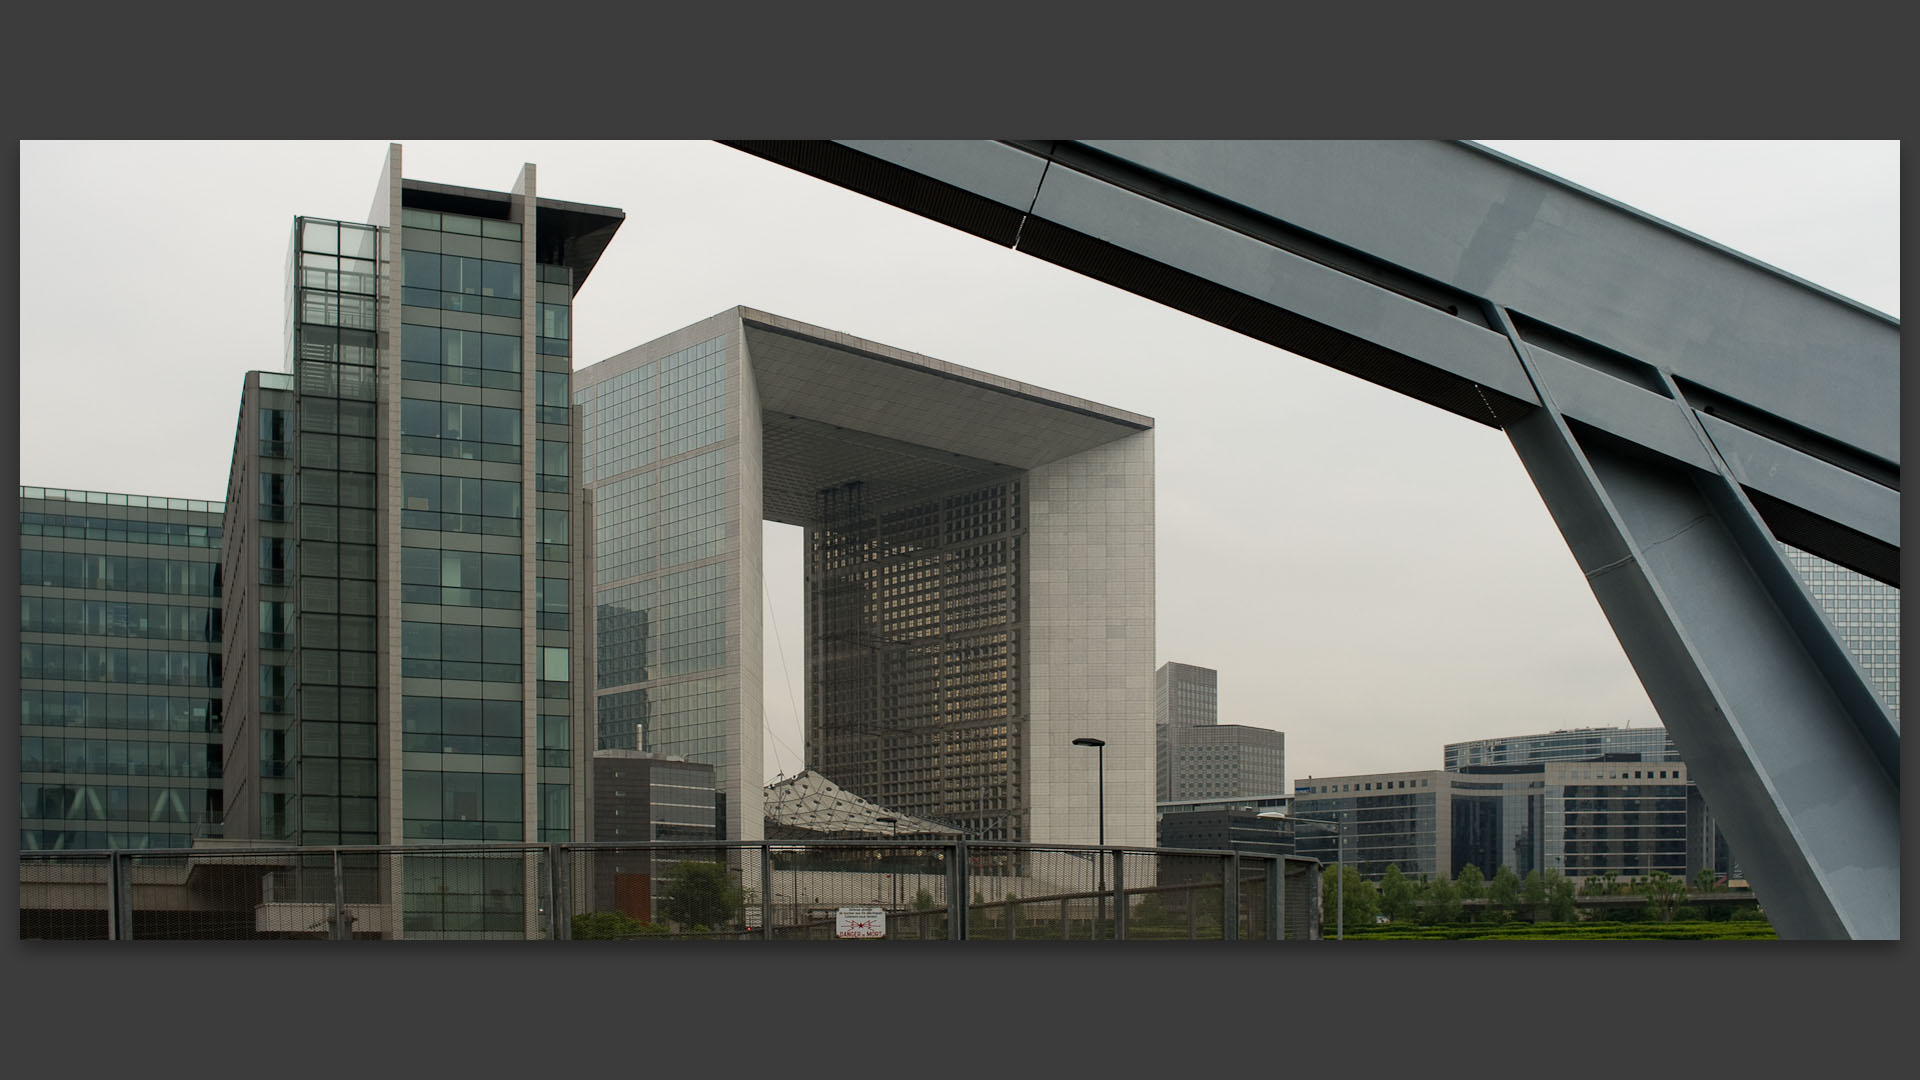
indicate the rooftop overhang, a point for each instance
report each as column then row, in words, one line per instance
column 569, row 234
column 837, row 410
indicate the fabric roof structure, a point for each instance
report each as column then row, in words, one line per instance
column 810, row 806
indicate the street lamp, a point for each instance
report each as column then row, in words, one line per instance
column 895, row 874
column 1339, row 864
column 1101, row 859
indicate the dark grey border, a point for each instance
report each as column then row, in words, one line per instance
column 992, row 71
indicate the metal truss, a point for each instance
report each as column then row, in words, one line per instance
column 1678, row 406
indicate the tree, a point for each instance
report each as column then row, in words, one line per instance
column 1440, row 904
column 701, row 894
column 1469, row 884
column 1363, row 901
column 1664, row 893
column 1534, row 892
column 1607, row 884
column 1503, row 891
column 611, row 926
column 1705, row 880
column 1560, row 902
column 923, row 901
column 1396, row 895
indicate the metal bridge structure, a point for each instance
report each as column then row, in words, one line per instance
column 1678, row 406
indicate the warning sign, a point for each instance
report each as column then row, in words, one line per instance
column 862, row 921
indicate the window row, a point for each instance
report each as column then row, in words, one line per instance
column 336, row 274
column 319, row 558
column 461, row 357
column 70, row 615
column 154, row 667
column 119, row 757
column 118, row 573
column 439, row 651
column 132, row 712
column 461, row 796
column 459, row 223
column 343, row 523
column 427, row 271
column 459, row 578
column 338, row 238
column 163, row 533
column 322, row 451
column 344, row 597
column 461, row 495
column 468, row 432
column 321, row 379
column 325, row 738
column 324, row 487
column 61, row 802
column 321, row 308
column 101, row 839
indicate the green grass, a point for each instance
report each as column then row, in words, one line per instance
column 1737, row 930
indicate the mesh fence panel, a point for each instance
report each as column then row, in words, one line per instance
column 1253, row 899
column 64, row 897
column 1302, row 900
column 1183, row 902
column 904, row 891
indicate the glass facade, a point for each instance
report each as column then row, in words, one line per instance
column 655, row 451
column 120, row 670
column 915, row 620
column 1649, row 744
column 324, row 676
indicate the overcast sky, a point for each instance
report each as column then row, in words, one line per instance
column 1371, row 575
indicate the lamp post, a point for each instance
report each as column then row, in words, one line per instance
column 1339, row 864
column 1100, row 859
column 893, row 875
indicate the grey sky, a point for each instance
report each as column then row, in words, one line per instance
column 1370, row 575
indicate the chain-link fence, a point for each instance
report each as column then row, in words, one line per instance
column 823, row 890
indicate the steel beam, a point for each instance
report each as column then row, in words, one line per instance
column 1678, row 405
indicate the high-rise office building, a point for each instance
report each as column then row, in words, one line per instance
column 407, row 620
column 1196, row 757
column 120, row 670
column 979, row 576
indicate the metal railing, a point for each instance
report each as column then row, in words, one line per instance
column 768, row 891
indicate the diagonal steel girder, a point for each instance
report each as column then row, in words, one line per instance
column 1678, row 406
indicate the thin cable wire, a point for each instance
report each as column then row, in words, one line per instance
column 787, row 675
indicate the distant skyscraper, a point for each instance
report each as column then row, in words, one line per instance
column 1196, row 757
column 120, row 670
column 979, row 575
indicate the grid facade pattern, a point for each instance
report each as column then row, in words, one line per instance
column 1223, row 761
column 661, row 489
column 662, row 451
column 1865, row 612
column 327, row 749
column 914, row 624
column 1185, row 694
column 120, row 670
